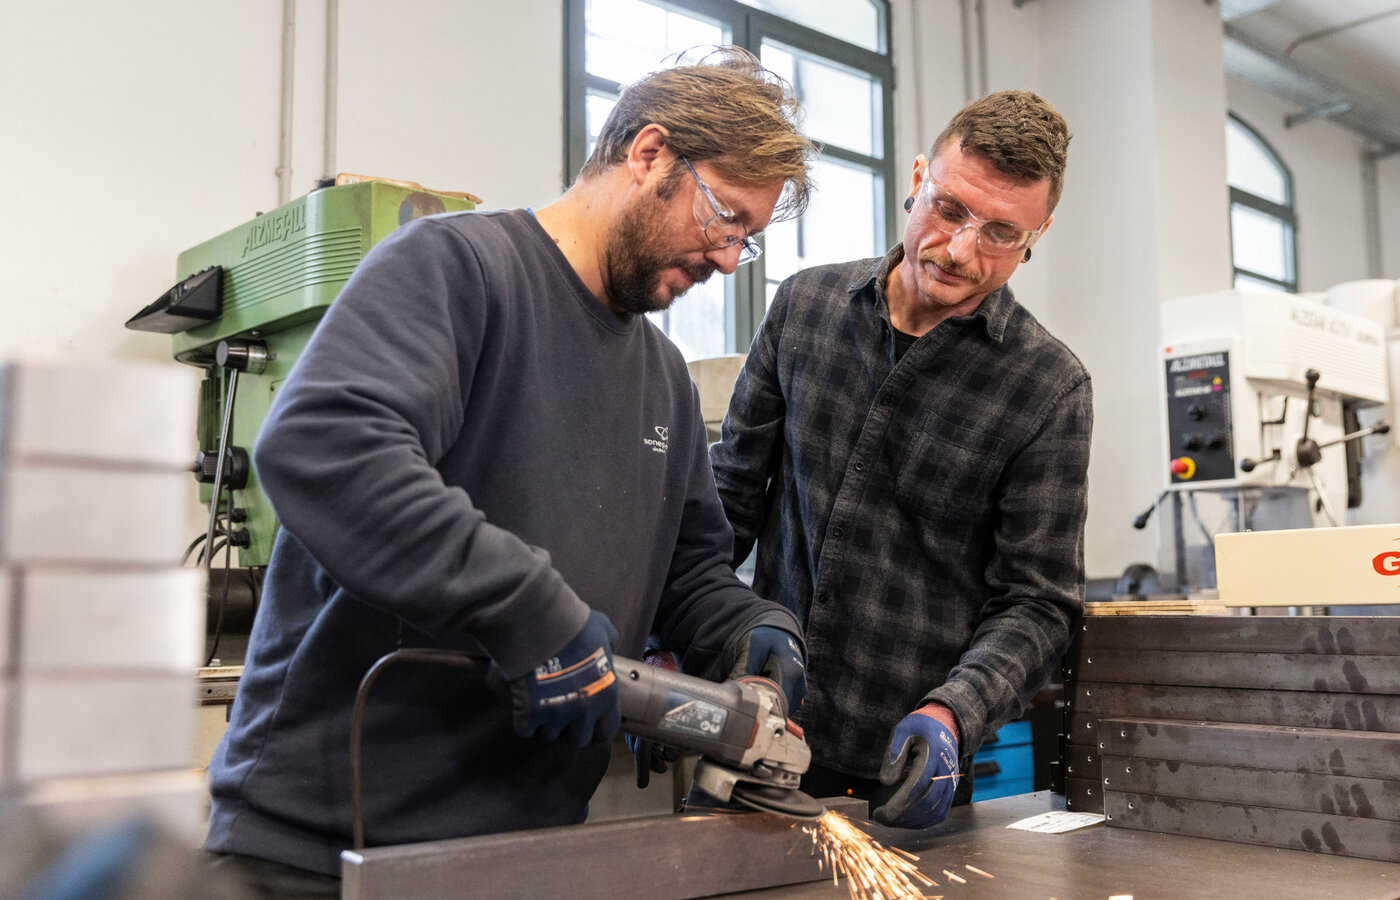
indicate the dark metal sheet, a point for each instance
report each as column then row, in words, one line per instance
column 1083, row 728
column 1083, row 795
column 1366, row 798
column 1304, row 709
column 1338, row 835
column 1261, row 671
column 1081, row 761
column 1346, row 635
column 1361, row 754
column 660, row 856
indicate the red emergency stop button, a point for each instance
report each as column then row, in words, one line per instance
column 1183, row 466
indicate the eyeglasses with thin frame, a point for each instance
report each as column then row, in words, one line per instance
column 994, row 238
column 721, row 225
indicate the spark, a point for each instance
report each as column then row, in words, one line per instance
column 972, row 868
column 873, row 871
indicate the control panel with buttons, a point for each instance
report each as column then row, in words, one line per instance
column 1200, row 446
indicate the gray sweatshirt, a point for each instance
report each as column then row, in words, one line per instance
column 471, row 452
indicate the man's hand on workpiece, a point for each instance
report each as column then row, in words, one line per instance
column 923, row 758
column 777, row 656
column 573, row 693
column 650, row 756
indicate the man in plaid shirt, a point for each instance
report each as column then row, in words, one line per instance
column 908, row 447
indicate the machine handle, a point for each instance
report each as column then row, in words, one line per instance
column 1378, row 428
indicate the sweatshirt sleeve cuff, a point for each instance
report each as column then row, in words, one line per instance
column 540, row 622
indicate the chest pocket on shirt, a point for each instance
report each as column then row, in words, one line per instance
column 948, row 469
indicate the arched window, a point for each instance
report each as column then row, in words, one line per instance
column 835, row 54
column 1263, row 225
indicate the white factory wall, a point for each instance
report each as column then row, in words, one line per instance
column 130, row 137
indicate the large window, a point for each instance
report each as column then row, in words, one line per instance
column 1263, row 227
column 836, row 56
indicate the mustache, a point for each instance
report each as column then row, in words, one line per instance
column 946, row 264
column 696, row 272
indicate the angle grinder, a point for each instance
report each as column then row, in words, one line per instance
column 750, row 751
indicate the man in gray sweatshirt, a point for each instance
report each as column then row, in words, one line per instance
column 486, row 447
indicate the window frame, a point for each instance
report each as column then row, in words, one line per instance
column 1284, row 213
column 745, row 305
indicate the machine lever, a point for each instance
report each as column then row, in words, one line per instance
column 235, row 356
column 1307, row 451
column 1378, row 428
column 1249, row 465
column 1141, row 521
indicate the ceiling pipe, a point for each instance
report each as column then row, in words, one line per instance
column 916, row 21
column 328, row 165
column 284, row 138
column 1320, row 111
column 1371, row 199
column 1327, row 32
column 969, row 89
column 981, row 47
column 1376, row 123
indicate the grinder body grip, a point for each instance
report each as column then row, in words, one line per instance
column 718, row 721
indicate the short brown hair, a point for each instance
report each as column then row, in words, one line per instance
column 725, row 109
column 1018, row 132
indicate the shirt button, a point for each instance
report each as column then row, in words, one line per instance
column 860, row 466
column 884, row 399
column 838, row 531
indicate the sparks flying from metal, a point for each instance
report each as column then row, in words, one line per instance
column 873, row 871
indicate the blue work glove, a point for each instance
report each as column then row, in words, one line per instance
column 573, row 693
column 777, row 656
column 923, row 757
column 649, row 756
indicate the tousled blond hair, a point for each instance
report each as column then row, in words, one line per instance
column 725, row 109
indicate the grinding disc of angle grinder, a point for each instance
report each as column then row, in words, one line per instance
column 780, row 801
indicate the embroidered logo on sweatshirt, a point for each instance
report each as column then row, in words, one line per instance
column 659, row 443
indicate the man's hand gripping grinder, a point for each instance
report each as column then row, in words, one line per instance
column 750, row 752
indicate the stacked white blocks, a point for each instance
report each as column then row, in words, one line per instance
column 101, row 629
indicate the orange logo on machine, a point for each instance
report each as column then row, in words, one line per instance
column 1387, row 563
column 1183, row 466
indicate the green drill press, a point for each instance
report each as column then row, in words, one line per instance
column 244, row 308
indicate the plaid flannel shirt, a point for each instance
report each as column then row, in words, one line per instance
column 924, row 518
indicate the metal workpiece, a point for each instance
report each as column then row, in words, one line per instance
column 1346, row 635
column 1322, row 790
column 1294, row 671
column 1084, row 794
column 684, row 857
column 1091, row 701
column 1367, row 798
column 1326, row 751
column 675, row 856
column 1250, row 823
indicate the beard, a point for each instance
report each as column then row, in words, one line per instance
column 633, row 262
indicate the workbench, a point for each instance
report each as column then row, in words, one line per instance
column 1099, row 862
column 1092, row 863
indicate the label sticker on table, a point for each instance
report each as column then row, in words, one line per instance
column 1058, row 821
